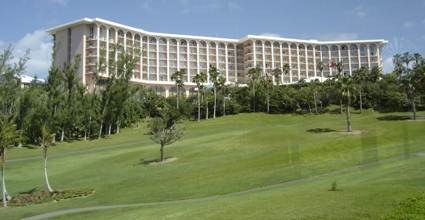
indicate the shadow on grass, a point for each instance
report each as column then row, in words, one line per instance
column 320, row 130
column 394, row 118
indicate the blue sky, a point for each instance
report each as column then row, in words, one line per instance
column 402, row 23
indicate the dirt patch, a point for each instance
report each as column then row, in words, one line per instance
column 354, row 132
column 167, row 160
column 37, row 197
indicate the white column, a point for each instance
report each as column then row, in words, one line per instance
column 227, row 64
column 314, row 61
column 281, row 62
column 107, row 52
column 272, row 48
column 168, row 63
column 208, row 62
column 298, row 61
column 125, row 42
column 132, row 51
column 115, row 50
column 141, row 58
column 167, row 92
column 157, row 59
column 330, row 59
column 216, row 57
column 178, row 54
column 339, row 53
column 290, row 62
column 378, row 55
column 321, row 60
column 197, row 57
column 97, row 43
column 368, row 56
column 188, row 61
column 264, row 56
column 147, row 56
column 306, row 60
column 349, row 58
column 236, row 61
column 83, row 74
column 254, row 53
column 359, row 56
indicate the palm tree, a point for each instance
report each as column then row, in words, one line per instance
column 199, row 79
column 320, row 65
column 360, row 77
column 255, row 75
column 339, row 68
column 267, row 81
column 214, row 76
column 285, row 69
column 8, row 136
column 277, row 72
column 46, row 140
column 315, row 85
column 346, row 88
column 177, row 77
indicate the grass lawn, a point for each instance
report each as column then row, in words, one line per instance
column 281, row 170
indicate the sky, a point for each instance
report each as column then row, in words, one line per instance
column 402, row 23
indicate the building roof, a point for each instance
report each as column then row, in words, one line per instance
column 248, row 37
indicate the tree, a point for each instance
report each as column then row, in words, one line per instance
column 214, row 76
column 254, row 74
column 320, row 66
column 346, row 88
column 199, row 79
column 8, row 136
column 315, row 86
column 177, row 77
column 267, row 82
column 46, row 140
column 360, row 77
column 164, row 129
column 277, row 73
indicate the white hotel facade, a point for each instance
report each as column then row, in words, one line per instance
column 159, row 55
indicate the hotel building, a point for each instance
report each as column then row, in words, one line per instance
column 159, row 55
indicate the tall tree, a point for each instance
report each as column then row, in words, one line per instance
column 199, row 79
column 277, row 73
column 8, row 136
column 320, row 66
column 346, row 90
column 46, row 140
column 360, row 77
column 267, row 82
column 214, row 76
column 254, row 74
column 177, row 77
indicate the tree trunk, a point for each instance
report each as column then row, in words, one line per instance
column 206, row 111
column 63, row 134
column 46, row 177
column 3, row 164
column 215, row 102
column 348, row 115
column 100, row 130
column 224, row 106
column 361, row 100
column 118, row 126
column 109, row 129
column 162, row 153
column 85, row 134
column 268, row 103
column 177, row 98
column 315, row 102
column 340, row 105
column 253, row 107
column 89, row 128
column 414, row 109
column 199, row 106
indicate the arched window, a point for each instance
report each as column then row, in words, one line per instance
column 317, row 48
column 137, row 37
column 285, row 45
column 344, row 47
column 193, row 43
column 221, row 45
column 203, row 44
column 334, row 48
column 212, row 44
column 258, row 43
column 111, row 33
column 325, row 48
column 353, row 47
column 276, row 45
column 121, row 33
column 267, row 44
column 231, row 46
column 173, row 42
column 162, row 41
column 129, row 35
column 183, row 43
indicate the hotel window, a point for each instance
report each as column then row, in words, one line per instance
column 91, row 32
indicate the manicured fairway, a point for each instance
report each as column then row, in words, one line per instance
column 281, row 170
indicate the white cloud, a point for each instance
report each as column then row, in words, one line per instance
column 358, row 11
column 270, row 35
column 338, row 36
column 59, row 2
column 408, row 24
column 40, row 46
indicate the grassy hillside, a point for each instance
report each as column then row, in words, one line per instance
column 280, row 169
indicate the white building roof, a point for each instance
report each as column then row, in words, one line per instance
column 248, row 37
